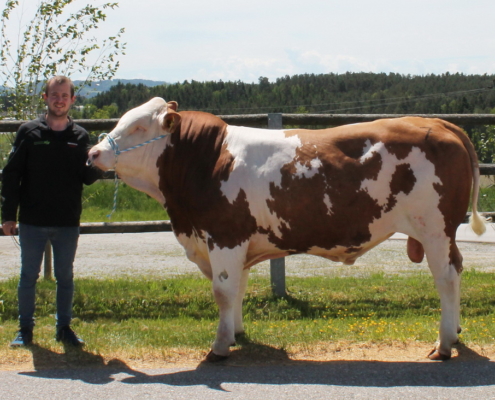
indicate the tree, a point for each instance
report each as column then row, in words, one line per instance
column 54, row 42
column 107, row 112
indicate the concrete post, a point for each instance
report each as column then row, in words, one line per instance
column 277, row 266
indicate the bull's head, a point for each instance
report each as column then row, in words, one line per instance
column 138, row 127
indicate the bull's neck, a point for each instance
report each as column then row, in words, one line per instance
column 145, row 178
column 188, row 164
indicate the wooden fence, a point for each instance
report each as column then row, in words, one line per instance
column 271, row 121
column 278, row 119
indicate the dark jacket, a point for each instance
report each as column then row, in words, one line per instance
column 44, row 175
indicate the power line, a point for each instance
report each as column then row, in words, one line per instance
column 369, row 102
column 410, row 99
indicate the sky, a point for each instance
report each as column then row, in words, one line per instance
column 233, row 40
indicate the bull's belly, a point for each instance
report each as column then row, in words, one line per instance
column 261, row 249
column 345, row 242
column 343, row 254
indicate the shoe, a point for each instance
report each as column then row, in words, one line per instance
column 66, row 335
column 24, row 338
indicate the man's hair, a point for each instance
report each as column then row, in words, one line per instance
column 60, row 79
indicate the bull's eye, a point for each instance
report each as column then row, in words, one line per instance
column 139, row 129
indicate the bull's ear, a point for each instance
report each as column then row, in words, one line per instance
column 173, row 105
column 171, row 121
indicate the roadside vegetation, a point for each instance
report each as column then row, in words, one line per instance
column 164, row 319
column 487, row 198
column 132, row 205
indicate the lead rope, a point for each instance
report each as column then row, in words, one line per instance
column 117, row 152
column 16, row 242
column 116, row 190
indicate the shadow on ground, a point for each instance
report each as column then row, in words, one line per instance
column 261, row 364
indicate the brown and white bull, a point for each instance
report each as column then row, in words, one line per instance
column 237, row 196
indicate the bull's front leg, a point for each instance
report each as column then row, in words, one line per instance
column 228, row 281
column 238, row 320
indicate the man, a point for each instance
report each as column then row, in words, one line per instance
column 43, row 181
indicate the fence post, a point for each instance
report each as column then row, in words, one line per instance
column 275, row 121
column 277, row 266
column 48, row 261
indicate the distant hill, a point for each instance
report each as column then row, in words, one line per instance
column 103, row 86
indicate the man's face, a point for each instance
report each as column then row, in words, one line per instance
column 59, row 99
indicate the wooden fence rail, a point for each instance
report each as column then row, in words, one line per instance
column 261, row 120
column 272, row 121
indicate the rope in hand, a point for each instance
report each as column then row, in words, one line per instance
column 16, row 242
column 117, row 152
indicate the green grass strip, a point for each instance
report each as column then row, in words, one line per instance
column 180, row 311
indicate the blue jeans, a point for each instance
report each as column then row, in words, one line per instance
column 33, row 241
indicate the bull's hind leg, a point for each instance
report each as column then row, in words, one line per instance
column 445, row 263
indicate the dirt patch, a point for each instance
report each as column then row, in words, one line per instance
column 249, row 355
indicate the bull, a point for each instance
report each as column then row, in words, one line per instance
column 237, row 196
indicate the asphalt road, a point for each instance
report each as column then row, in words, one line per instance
column 298, row 380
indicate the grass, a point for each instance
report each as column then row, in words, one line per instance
column 487, row 199
column 132, row 205
column 142, row 316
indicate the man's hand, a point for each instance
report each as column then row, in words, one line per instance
column 9, row 228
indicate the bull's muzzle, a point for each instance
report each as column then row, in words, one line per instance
column 92, row 156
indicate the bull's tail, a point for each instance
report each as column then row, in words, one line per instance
column 476, row 221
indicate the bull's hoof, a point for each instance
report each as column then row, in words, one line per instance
column 214, row 358
column 435, row 355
